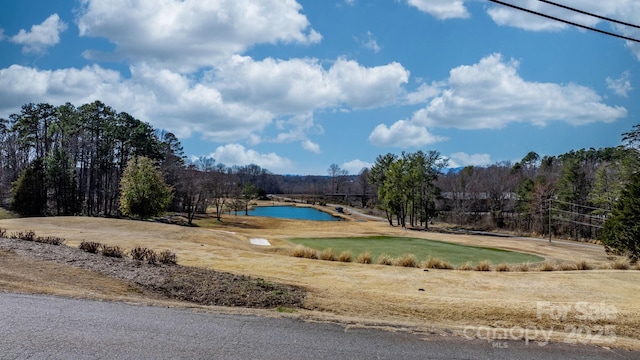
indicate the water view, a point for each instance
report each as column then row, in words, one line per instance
column 292, row 212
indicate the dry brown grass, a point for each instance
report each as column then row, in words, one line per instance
column 565, row 266
column 436, row 263
column 345, row 256
column 583, row 265
column 366, row 294
column 364, row 258
column 304, row 252
column 524, row 267
column 468, row 266
column 484, row 265
column 547, row 266
column 503, row 267
column 621, row 264
column 408, row 260
column 384, row 259
column 327, row 255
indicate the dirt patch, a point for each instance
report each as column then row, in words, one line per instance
column 197, row 285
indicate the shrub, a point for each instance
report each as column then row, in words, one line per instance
column 484, row 265
column 304, row 252
column 568, row 267
column 364, row 258
column 547, row 266
column 138, row 253
column 408, row 260
column 51, row 240
column 112, row 251
column 345, row 256
column 327, row 254
column 524, row 267
column 605, row 266
column 3, row 232
column 151, row 256
column 90, row 246
column 583, row 265
column 435, row 263
column 168, row 257
column 503, row 267
column 468, row 266
column 621, row 264
column 27, row 236
column 384, row 259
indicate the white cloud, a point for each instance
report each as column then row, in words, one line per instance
column 622, row 85
column 355, row 166
column 41, row 36
column 185, row 35
column 370, row 43
column 402, row 134
column 423, row 93
column 236, row 154
column 461, row 159
column 441, row 9
column 311, row 146
column 491, row 95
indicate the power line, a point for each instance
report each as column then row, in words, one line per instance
column 590, row 14
column 565, row 21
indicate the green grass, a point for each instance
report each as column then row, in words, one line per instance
column 421, row 248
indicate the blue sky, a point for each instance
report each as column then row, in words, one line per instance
column 295, row 86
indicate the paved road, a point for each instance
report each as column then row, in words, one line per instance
column 45, row 327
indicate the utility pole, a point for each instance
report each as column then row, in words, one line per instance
column 550, row 204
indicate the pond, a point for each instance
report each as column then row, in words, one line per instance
column 293, row 212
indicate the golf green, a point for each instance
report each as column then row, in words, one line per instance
column 423, row 249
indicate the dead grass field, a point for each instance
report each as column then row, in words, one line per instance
column 437, row 301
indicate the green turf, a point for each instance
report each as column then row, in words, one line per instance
column 6, row 214
column 421, row 248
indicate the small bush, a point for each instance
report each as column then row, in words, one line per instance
column 637, row 265
column 468, row 266
column 364, row 258
column 327, row 254
column 484, row 265
column 435, row 263
column 408, row 260
column 604, row 266
column 27, row 235
column 384, row 259
column 583, row 265
column 151, row 256
column 168, row 257
column 51, row 240
column 503, row 267
column 568, row 267
column 90, row 246
column 138, row 253
column 345, row 256
column 112, row 251
column 304, row 252
column 547, row 266
column 524, row 267
column 3, row 232
column 621, row 264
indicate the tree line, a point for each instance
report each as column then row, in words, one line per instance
column 69, row 160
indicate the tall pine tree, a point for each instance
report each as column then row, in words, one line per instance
column 621, row 232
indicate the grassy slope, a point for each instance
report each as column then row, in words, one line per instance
column 356, row 293
column 421, row 248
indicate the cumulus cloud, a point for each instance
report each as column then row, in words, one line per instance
column 620, row 86
column 491, row 95
column 441, row 9
column 41, row 36
column 461, row 159
column 237, row 154
column 355, row 166
column 311, row 146
column 186, row 35
column 236, row 101
column 402, row 134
